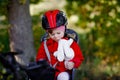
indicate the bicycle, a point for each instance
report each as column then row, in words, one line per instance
column 13, row 70
column 32, row 71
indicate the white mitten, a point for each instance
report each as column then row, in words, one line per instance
column 59, row 53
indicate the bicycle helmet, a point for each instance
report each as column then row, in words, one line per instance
column 53, row 19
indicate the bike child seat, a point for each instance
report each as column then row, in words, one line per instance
column 70, row 34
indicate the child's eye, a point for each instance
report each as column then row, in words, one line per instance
column 52, row 34
column 58, row 32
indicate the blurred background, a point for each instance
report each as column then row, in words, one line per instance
column 97, row 23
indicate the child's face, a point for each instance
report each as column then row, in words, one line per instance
column 56, row 34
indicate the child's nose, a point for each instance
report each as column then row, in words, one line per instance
column 55, row 35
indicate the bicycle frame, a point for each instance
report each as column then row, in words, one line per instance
column 11, row 66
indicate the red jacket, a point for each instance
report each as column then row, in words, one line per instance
column 52, row 47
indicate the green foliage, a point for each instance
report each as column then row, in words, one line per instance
column 35, row 1
column 106, row 27
column 37, row 30
column 4, row 40
column 3, row 6
column 100, row 43
column 22, row 2
column 38, row 33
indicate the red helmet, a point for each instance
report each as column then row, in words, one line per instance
column 53, row 19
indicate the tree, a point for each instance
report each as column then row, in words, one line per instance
column 20, row 31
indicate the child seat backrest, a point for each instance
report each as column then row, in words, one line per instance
column 69, row 33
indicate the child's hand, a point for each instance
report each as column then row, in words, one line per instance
column 69, row 65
